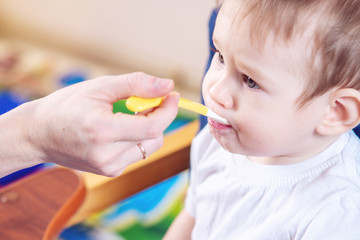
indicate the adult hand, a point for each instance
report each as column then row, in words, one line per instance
column 76, row 127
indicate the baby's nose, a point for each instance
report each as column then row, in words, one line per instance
column 220, row 94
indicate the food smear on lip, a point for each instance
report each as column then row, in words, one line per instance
column 216, row 117
column 217, row 125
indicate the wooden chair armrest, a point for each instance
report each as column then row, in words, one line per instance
column 171, row 159
column 38, row 206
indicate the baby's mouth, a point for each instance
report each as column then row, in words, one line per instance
column 212, row 115
column 217, row 124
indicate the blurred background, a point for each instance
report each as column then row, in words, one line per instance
column 160, row 37
column 46, row 45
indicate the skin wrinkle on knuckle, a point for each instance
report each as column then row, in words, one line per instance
column 134, row 81
column 93, row 131
column 153, row 131
column 92, row 137
column 140, row 76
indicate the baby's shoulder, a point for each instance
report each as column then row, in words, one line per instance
column 351, row 158
column 352, row 149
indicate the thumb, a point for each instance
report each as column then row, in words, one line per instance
column 137, row 84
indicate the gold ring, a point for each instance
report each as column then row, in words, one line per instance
column 142, row 149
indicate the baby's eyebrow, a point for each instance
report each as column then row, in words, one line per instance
column 215, row 41
column 256, row 75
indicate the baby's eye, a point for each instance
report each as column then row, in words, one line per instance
column 250, row 83
column 221, row 58
column 219, row 55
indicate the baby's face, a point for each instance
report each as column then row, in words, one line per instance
column 257, row 92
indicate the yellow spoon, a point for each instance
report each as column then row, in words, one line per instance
column 137, row 104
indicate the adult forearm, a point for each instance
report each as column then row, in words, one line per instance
column 16, row 149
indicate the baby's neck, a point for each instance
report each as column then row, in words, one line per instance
column 309, row 150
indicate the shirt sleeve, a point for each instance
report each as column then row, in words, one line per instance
column 338, row 220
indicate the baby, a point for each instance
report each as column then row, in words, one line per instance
column 286, row 76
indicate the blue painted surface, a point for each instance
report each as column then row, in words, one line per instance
column 10, row 100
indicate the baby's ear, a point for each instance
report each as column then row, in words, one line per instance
column 343, row 113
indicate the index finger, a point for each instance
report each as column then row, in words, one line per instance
column 150, row 126
column 135, row 84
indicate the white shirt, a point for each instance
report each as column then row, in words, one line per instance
column 232, row 197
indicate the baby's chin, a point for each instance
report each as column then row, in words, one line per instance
column 232, row 144
column 227, row 141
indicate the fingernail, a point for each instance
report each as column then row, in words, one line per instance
column 162, row 83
